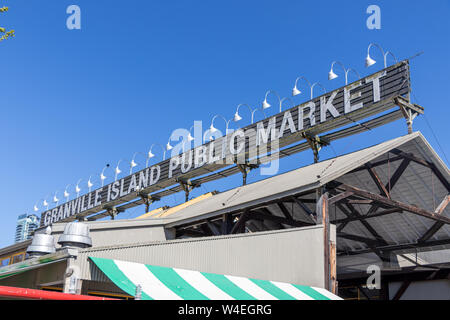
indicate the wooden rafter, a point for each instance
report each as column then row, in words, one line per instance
column 396, row 204
column 376, row 178
column 425, row 163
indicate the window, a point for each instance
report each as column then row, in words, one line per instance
column 18, row 257
column 5, row 262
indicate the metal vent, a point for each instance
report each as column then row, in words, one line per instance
column 43, row 243
column 76, row 234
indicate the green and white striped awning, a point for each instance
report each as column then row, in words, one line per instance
column 162, row 283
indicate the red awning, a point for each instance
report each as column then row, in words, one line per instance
column 24, row 293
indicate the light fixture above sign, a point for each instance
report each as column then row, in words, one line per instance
column 370, row 61
column 367, row 96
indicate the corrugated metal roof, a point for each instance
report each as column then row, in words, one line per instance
column 318, row 174
column 416, row 186
column 299, row 180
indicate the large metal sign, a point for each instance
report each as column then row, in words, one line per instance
column 360, row 99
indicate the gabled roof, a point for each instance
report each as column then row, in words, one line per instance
column 417, row 185
column 304, row 179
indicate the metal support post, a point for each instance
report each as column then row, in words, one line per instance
column 316, row 143
column 187, row 186
column 409, row 110
column 245, row 169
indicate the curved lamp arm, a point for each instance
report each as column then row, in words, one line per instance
column 295, row 90
column 117, row 169
column 317, row 84
column 190, row 137
column 66, row 194
column 332, row 75
column 237, row 117
column 102, row 175
column 265, row 104
column 385, row 58
column 151, row 155
column 89, row 183
column 77, row 187
column 284, row 99
column 369, row 60
column 354, row 71
column 254, row 111
column 133, row 163
column 44, row 202
column 55, row 199
column 227, row 123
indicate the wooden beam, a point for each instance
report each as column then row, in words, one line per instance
column 215, row 231
column 392, row 182
column 378, row 214
column 333, row 268
column 352, row 213
column 190, row 232
column 324, row 219
column 411, row 157
column 303, row 206
column 340, row 197
column 437, row 225
column 352, row 201
column 361, row 289
column 207, row 231
column 441, row 207
column 397, row 174
column 431, row 232
column 398, row 247
column 376, row 178
column 227, row 223
column 301, row 200
column 366, row 224
column 397, row 204
column 425, row 163
column 285, row 211
column 265, row 216
column 401, row 290
column 353, row 237
column 240, row 223
column 379, row 163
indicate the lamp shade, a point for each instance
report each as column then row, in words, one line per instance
column 265, row 104
column 295, row 91
column 369, row 61
column 332, row 75
column 237, row 117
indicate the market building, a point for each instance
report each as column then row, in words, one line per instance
column 254, row 232
column 371, row 224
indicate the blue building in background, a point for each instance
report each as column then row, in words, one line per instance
column 26, row 224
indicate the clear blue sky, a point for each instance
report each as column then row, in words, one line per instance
column 73, row 100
